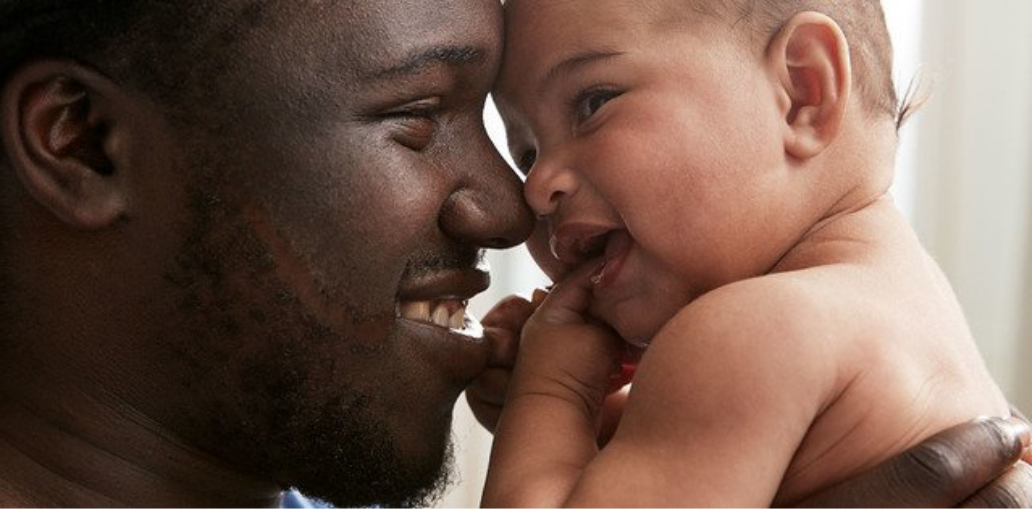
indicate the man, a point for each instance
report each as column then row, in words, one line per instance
column 232, row 235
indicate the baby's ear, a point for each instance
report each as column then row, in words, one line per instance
column 64, row 141
column 810, row 60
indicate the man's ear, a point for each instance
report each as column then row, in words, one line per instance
column 60, row 132
column 810, row 59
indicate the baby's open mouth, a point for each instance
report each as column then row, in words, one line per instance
column 447, row 313
column 572, row 244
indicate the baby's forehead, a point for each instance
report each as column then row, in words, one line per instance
column 540, row 20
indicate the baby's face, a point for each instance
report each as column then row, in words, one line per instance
column 657, row 149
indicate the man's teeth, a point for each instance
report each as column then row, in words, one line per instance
column 450, row 314
column 457, row 320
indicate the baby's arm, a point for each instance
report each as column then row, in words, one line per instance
column 548, row 428
column 721, row 401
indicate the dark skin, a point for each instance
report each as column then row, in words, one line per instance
column 204, row 309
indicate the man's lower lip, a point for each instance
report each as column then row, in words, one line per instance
column 472, row 331
column 461, row 353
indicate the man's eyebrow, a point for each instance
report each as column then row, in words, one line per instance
column 420, row 60
column 572, row 64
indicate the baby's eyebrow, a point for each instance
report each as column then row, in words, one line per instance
column 572, row 64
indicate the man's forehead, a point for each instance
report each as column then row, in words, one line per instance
column 386, row 32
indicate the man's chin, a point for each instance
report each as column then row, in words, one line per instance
column 373, row 473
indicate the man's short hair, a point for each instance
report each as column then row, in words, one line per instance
column 150, row 44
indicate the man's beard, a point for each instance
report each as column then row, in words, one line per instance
column 260, row 413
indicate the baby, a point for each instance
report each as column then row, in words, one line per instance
column 714, row 175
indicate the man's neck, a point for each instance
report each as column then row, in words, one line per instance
column 65, row 447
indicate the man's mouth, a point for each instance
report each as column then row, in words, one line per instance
column 440, row 298
column 447, row 313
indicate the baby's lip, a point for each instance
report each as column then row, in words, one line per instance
column 616, row 245
column 572, row 243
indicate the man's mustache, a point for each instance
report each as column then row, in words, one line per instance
column 452, row 258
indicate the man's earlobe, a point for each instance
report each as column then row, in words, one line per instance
column 57, row 140
column 810, row 58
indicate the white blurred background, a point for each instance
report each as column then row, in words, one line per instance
column 963, row 179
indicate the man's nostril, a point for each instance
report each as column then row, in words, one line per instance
column 498, row 243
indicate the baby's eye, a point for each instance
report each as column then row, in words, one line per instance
column 525, row 160
column 590, row 101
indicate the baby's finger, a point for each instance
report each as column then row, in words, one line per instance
column 491, row 386
column 504, row 344
column 509, row 313
column 539, row 296
column 486, row 413
column 569, row 300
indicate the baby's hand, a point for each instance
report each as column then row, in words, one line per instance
column 565, row 353
column 502, row 328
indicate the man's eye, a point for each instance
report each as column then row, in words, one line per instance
column 415, row 123
column 588, row 103
column 415, row 133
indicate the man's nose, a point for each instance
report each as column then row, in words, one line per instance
column 489, row 210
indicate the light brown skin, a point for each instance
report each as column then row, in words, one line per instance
column 205, row 310
column 721, row 167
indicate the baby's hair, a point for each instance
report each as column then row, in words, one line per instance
column 862, row 22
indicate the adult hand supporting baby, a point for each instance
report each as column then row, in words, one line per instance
column 948, row 469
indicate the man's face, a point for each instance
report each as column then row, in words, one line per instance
column 345, row 189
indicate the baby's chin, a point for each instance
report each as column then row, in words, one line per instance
column 635, row 324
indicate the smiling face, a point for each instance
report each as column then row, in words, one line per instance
column 344, row 190
column 654, row 146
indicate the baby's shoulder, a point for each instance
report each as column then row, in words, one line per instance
column 798, row 305
column 766, row 344
column 786, row 323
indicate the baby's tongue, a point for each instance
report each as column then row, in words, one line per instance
column 617, row 244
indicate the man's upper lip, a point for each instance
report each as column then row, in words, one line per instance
column 458, row 284
column 572, row 243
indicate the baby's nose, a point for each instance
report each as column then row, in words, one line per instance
column 547, row 186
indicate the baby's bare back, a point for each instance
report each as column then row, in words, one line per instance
column 907, row 364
